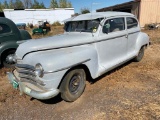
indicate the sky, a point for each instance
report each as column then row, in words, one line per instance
column 91, row 4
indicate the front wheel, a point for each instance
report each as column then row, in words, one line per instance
column 140, row 55
column 7, row 59
column 73, row 85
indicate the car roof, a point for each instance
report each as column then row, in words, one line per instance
column 6, row 21
column 91, row 16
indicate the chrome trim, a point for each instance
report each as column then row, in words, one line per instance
column 46, row 72
column 26, row 72
column 28, row 81
column 25, row 66
column 134, row 32
column 37, row 94
column 42, row 95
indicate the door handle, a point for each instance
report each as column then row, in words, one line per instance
column 126, row 35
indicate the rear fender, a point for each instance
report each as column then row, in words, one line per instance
column 143, row 39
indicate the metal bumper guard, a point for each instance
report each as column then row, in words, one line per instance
column 42, row 95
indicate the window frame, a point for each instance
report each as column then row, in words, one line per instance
column 132, row 27
column 124, row 18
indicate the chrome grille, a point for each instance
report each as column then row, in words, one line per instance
column 27, row 74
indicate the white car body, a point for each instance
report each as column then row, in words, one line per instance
column 98, row 52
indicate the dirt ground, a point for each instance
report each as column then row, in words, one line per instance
column 130, row 92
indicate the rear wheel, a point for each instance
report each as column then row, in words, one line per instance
column 73, row 85
column 140, row 55
column 7, row 59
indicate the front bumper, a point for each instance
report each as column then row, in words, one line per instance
column 30, row 89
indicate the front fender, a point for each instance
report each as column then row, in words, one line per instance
column 143, row 39
column 65, row 58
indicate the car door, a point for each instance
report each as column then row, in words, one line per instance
column 133, row 30
column 112, row 48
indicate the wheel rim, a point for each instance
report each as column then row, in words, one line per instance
column 9, row 59
column 75, row 84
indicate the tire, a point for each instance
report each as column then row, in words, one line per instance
column 140, row 55
column 73, row 85
column 7, row 59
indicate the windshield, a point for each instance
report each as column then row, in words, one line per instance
column 82, row 26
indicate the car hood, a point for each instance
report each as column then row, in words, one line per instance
column 54, row 42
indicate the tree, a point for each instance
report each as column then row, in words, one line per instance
column 85, row 10
column 18, row 4
column 11, row 4
column 54, row 4
column 65, row 4
column 1, row 7
column 37, row 5
column 42, row 6
column 5, row 4
column 69, row 4
column 27, row 3
column 62, row 3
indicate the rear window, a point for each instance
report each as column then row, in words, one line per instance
column 131, row 23
column 4, row 29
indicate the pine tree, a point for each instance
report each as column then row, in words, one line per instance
column 54, row 4
column 5, row 4
column 27, row 3
column 18, row 4
column 11, row 4
column 1, row 8
column 62, row 3
column 69, row 4
column 42, row 6
column 65, row 4
column 37, row 5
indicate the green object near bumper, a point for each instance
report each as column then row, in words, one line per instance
column 12, row 80
column 42, row 95
column 15, row 85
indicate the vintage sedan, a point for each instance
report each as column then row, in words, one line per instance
column 9, row 36
column 91, row 45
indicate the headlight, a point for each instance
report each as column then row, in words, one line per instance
column 39, row 70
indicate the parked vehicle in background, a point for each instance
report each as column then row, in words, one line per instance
column 21, row 26
column 43, row 28
column 91, row 45
column 9, row 36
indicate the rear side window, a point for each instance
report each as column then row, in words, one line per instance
column 131, row 23
column 113, row 25
column 4, row 29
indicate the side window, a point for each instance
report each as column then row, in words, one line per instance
column 131, row 23
column 4, row 29
column 113, row 25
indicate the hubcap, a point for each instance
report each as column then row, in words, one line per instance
column 10, row 59
column 75, row 84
